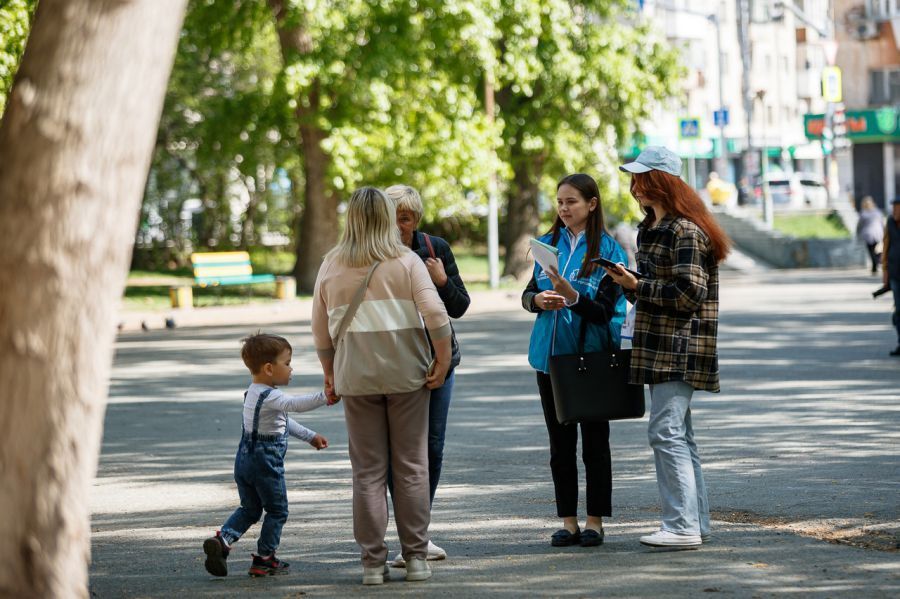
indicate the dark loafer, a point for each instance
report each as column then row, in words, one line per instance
column 591, row 538
column 564, row 538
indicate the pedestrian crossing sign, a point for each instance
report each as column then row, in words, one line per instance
column 831, row 84
column 689, row 128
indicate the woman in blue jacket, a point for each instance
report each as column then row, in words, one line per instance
column 580, row 290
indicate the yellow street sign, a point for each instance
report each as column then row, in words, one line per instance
column 831, row 84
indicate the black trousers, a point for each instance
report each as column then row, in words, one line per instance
column 563, row 459
column 874, row 256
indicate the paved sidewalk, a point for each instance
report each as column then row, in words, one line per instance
column 802, row 444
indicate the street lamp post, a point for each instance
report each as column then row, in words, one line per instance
column 493, row 216
column 768, row 214
column 723, row 150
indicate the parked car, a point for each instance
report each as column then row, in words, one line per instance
column 797, row 190
column 815, row 195
column 786, row 190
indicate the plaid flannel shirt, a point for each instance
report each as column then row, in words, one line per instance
column 677, row 305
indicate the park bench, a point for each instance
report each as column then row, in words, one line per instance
column 216, row 269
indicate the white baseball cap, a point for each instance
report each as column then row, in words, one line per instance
column 654, row 158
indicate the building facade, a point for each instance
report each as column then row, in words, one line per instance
column 868, row 37
column 787, row 51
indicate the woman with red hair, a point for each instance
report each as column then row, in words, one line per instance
column 676, row 305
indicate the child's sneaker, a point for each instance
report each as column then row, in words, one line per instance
column 216, row 553
column 267, row 566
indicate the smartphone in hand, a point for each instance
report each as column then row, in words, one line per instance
column 612, row 265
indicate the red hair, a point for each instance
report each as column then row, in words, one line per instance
column 678, row 199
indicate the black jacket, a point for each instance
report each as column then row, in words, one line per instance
column 454, row 295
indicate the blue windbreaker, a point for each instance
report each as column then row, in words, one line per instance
column 567, row 322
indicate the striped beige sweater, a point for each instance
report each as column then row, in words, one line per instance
column 385, row 349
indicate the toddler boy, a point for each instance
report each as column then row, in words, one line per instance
column 259, row 463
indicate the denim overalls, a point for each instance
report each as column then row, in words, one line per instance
column 259, row 474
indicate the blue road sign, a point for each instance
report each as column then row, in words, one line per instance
column 689, row 128
column 720, row 117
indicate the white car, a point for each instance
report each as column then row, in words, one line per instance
column 815, row 194
column 797, row 190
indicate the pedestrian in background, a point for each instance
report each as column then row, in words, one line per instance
column 578, row 291
column 380, row 365
column 890, row 263
column 870, row 229
column 441, row 265
column 676, row 303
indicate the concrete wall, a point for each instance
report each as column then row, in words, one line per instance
column 781, row 251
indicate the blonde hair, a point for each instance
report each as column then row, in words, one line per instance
column 370, row 232
column 406, row 198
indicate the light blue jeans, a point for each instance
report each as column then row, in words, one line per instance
column 682, row 492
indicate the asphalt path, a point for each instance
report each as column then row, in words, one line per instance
column 801, row 454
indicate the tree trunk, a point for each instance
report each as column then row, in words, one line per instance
column 318, row 230
column 319, row 221
column 522, row 217
column 75, row 147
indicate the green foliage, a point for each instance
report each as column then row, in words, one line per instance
column 225, row 138
column 397, row 89
column 577, row 78
column 15, row 23
column 811, row 226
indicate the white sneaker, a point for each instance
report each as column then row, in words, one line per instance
column 376, row 575
column 435, row 553
column 417, row 569
column 398, row 561
column 664, row 538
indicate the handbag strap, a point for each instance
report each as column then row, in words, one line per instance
column 354, row 306
column 430, row 247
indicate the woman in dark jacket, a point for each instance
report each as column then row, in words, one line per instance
column 441, row 265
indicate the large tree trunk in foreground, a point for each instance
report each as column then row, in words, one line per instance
column 522, row 218
column 75, row 146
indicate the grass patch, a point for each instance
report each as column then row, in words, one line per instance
column 811, row 226
column 156, row 297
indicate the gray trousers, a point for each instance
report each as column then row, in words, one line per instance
column 682, row 492
column 381, row 428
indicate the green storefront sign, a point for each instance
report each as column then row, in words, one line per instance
column 871, row 125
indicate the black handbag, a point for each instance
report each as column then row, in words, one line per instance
column 594, row 387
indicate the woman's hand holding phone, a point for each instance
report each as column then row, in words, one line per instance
column 621, row 275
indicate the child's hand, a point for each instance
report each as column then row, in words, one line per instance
column 319, row 442
column 330, row 395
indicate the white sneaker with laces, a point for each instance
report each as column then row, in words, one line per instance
column 664, row 538
column 417, row 569
column 435, row 553
column 376, row 575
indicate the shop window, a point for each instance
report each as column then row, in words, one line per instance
column 884, row 86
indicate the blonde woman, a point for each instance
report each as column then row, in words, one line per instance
column 381, row 368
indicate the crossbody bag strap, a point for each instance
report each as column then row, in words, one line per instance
column 430, row 247
column 354, row 306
